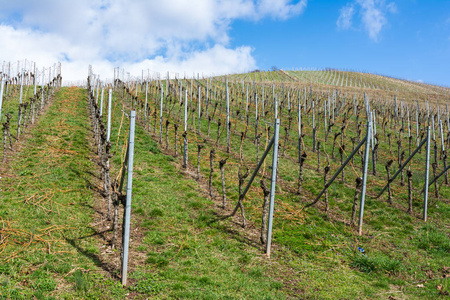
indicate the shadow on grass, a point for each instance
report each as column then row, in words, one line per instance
column 235, row 234
column 87, row 172
column 95, row 258
column 100, row 234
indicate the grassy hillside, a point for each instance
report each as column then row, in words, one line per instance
column 350, row 82
column 401, row 252
column 54, row 236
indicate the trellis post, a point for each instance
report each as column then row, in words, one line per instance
column 364, row 183
column 427, row 168
column 127, row 213
column 272, row 186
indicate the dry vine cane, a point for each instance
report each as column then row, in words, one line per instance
column 436, row 188
column 167, row 134
column 175, row 126
column 222, row 163
column 388, row 170
column 355, row 199
column 266, row 192
column 410, row 197
column 199, row 149
column 241, row 177
column 212, row 155
column 6, row 135
column 300, row 173
column 318, row 156
column 326, row 171
column 185, row 164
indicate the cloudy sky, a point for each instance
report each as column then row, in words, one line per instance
column 402, row 38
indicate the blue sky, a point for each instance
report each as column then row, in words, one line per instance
column 401, row 38
column 413, row 44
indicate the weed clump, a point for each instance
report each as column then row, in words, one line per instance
column 81, row 282
column 376, row 263
column 149, row 284
column 433, row 240
column 156, row 212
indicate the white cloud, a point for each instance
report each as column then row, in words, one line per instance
column 373, row 18
column 49, row 48
column 280, row 9
column 373, row 15
column 164, row 34
column 391, row 7
column 217, row 59
column 345, row 17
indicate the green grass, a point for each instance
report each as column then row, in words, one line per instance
column 180, row 250
column 395, row 255
column 46, row 209
column 187, row 257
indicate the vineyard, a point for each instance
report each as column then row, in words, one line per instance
column 265, row 185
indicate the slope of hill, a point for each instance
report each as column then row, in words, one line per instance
column 350, row 82
column 182, row 244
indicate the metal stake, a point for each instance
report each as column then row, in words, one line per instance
column 199, row 110
column 273, row 185
column 21, row 87
column 255, row 172
column 228, row 120
column 185, row 153
column 101, row 103
column 366, row 164
column 1, row 96
column 161, row 116
column 427, row 169
column 299, row 128
column 127, row 214
column 108, row 127
column 145, row 105
column 337, row 172
column 403, row 166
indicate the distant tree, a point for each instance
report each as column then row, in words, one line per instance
column 275, row 68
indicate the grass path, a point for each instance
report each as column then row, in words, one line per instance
column 48, row 247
